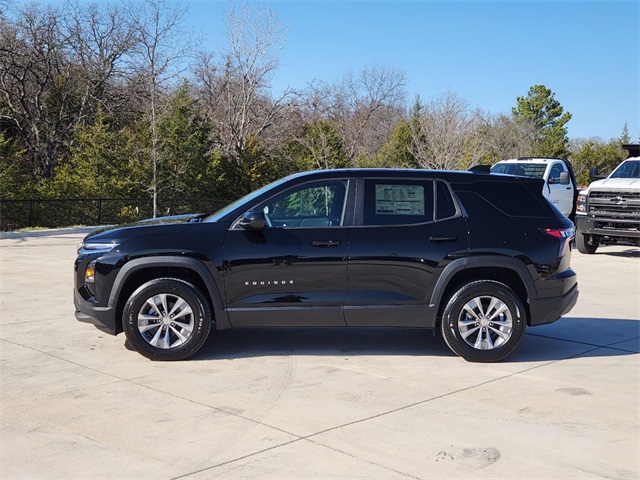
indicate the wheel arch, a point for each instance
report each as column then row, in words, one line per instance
column 505, row 270
column 137, row 272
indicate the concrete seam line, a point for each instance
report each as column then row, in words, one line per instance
column 195, row 472
column 610, row 345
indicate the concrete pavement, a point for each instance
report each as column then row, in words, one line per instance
column 316, row 404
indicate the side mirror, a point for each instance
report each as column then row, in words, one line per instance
column 253, row 221
column 594, row 175
column 564, row 178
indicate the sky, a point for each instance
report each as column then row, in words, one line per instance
column 487, row 52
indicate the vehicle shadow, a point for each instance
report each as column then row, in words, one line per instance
column 631, row 252
column 598, row 337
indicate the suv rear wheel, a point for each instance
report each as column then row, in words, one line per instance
column 167, row 319
column 483, row 321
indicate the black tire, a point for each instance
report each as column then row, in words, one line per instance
column 587, row 244
column 483, row 337
column 175, row 328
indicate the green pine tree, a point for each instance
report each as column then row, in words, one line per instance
column 549, row 119
column 398, row 151
column 625, row 138
column 605, row 156
column 184, row 148
column 17, row 179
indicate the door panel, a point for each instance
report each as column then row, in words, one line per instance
column 393, row 265
column 560, row 195
column 295, row 271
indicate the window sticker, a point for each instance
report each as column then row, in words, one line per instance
column 399, row 200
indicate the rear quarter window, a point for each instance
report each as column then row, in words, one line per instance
column 511, row 198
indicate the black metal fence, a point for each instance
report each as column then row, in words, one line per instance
column 55, row 213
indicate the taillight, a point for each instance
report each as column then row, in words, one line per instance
column 560, row 232
column 565, row 234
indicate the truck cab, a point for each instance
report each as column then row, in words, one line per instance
column 560, row 183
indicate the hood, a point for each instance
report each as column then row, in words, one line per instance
column 150, row 226
column 617, row 183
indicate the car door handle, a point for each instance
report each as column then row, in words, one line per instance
column 325, row 243
column 443, row 238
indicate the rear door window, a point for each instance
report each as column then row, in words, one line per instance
column 398, row 202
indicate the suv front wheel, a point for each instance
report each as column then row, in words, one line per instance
column 483, row 321
column 167, row 319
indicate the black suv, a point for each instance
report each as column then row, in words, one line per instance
column 478, row 255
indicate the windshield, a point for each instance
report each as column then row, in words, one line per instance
column 628, row 169
column 214, row 217
column 535, row 170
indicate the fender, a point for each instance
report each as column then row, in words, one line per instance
column 492, row 261
column 220, row 315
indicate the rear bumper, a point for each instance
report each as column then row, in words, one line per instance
column 548, row 310
column 101, row 317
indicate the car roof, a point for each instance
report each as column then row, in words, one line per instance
column 455, row 176
column 384, row 172
column 532, row 160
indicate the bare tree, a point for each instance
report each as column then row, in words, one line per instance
column 366, row 107
column 56, row 67
column 36, row 83
column 100, row 41
column 237, row 91
column 441, row 131
column 162, row 46
column 501, row 136
column 4, row 6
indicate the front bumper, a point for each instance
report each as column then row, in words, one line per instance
column 101, row 317
column 609, row 227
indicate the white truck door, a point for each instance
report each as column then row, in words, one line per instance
column 560, row 195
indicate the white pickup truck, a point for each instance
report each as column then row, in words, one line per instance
column 609, row 209
column 560, row 182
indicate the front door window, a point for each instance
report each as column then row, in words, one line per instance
column 317, row 205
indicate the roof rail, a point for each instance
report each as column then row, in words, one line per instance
column 542, row 158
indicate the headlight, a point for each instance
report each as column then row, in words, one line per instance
column 90, row 273
column 88, row 247
column 581, row 206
